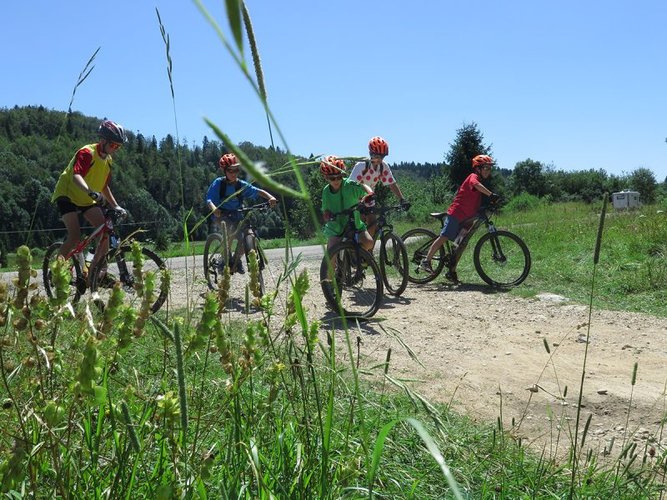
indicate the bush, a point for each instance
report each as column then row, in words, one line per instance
column 523, row 203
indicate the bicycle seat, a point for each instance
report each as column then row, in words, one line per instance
column 439, row 215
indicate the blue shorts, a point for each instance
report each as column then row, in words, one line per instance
column 450, row 228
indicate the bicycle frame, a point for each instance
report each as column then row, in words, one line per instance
column 240, row 234
column 454, row 249
column 382, row 223
column 105, row 229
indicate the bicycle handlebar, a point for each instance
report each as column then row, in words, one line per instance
column 259, row 206
column 383, row 210
column 115, row 215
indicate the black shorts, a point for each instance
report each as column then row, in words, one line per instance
column 65, row 206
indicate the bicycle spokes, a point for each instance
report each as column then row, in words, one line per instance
column 502, row 259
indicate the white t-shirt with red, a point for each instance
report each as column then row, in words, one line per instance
column 365, row 173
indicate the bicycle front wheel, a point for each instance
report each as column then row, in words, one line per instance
column 417, row 242
column 216, row 256
column 119, row 269
column 76, row 280
column 351, row 281
column 393, row 264
column 502, row 259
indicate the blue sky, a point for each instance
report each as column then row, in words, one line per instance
column 572, row 84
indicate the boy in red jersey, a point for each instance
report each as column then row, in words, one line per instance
column 465, row 205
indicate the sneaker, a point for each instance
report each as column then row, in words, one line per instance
column 239, row 268
column 425, row 265
column 451, row 276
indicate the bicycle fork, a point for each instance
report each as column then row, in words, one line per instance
column 498, row 255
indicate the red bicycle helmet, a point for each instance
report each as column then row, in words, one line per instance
column 378, row 146
column 480, row 160
column 332, row 165
column 111, row 131
column 228, row 160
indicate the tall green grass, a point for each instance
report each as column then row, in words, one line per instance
column 243, row 408
column 202, row 403
column 632, row 272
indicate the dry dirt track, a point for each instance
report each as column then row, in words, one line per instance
column 478, row 349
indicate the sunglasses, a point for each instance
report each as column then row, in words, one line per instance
column 114, row 145
column 488, row 167
column 334, row 177
column 232, row 170
column 377, row 156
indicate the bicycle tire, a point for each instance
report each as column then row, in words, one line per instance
column 417, row 242
column 251, row 244
column 119, row 270
column 357, row 294
column 216, row 256
column 77, row 282
column 393, row 260
column 502, row 259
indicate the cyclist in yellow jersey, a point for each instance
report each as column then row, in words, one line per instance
column 84, row 184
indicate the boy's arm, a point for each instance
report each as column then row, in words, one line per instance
column 482, row 189
column 396, row 190
column 209, row 196
column 268, row 196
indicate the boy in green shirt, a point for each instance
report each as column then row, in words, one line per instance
column 338, row 195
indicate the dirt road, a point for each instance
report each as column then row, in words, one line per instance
column 482, row 351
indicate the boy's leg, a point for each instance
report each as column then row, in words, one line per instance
column 366, row 241
column 71, row 221
column 435, row 246
column 449, row 230
column 370, row 220
column 95, row 217
column 333, row 240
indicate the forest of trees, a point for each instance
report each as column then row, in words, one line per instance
column 162, row 183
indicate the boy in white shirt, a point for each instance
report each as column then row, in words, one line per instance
column 375, row 170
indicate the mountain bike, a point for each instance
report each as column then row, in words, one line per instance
column 501, row 258
column 218, row 250
column 117, row 268
column 350, row 277
column 393, row 256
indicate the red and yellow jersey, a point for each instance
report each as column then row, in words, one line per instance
column 92, row 167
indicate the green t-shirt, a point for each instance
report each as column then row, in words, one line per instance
column 346, row 197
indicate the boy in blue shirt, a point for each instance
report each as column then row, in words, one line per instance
column 225, row 196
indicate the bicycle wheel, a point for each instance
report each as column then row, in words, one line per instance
column 502, row 259
column 393, row 264
column 357, row 280
column 251, row 244
column 215, row 257
column 417, row 242
column 77, row 281
column 117, row 268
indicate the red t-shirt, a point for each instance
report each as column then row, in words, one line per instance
column 467, row 200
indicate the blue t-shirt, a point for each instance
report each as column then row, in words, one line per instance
column 232, row 203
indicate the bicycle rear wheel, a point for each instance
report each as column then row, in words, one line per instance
column 77, row 281
column 216, row 256
column 393, row 264
column 502, row 259
column 118, row 268
column 417, row 242
column 351, row 281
